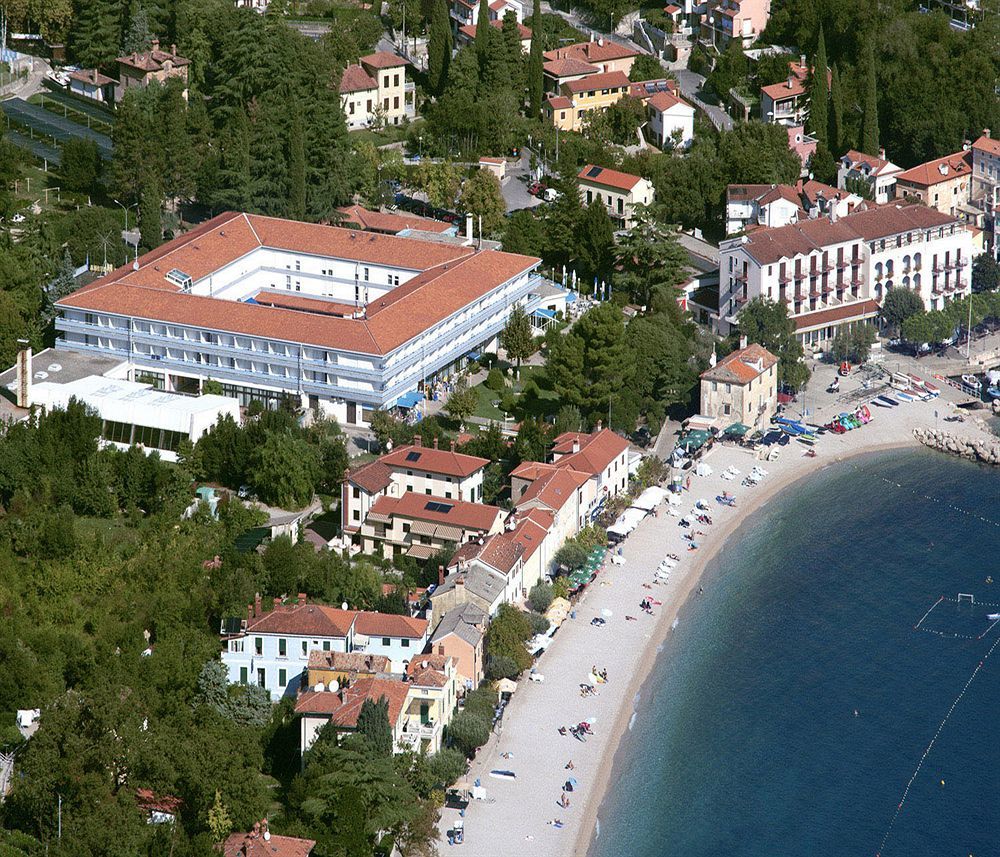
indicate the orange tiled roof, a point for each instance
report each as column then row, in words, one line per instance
column 987, row 144
column 373, row 476
column 663, row 101
column 823, row 317
column 432, row 460
column 383, row 59
column 568, row 66
column 606, row 80
column 349, row 661
column 153, row 60
column 471, row 516
column 559, row 102
column 469, row 30
column 356, row 79
column 740, row 367
column 939, row 170
column 592, row 52
column 385, row 221
column 254, row 844
column 554, row 490
column 609, row 178
column 304, row 620
column 597, row 450
column 390, row 625
column 344, row 706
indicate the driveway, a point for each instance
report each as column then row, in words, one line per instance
column 691, row 83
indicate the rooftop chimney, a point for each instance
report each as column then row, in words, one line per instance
column 418, row 440
column 468, row 228
column 881, row 153
column 256, row 605
column 173, row 50
column 23, row 374
column 440, row 650
column 249, row 613
column 600, row 425
column 943, row 169
column 435, row 443
column 440, row 575
column 743, row 341
column 453, row 446
column 576, row 445
column 790, row 79
column 986, row 132
column 302, row 598
column 802, row 60
column 277, row 602
column 156, row 44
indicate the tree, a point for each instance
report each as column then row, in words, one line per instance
column 596, row 245
column 767, row 323
column 484, row 31
column 462, row 401
column 568, row 418
column 540, row 597
column 439, row 48
column 869, row 115
column 284, row 471
column 758, row 153
column 296, row 167
column 138, row 36
column 508, row 632
column 150, row 213
column 468, row 732
column 536, row 88
column 516, row 67
column 482, row 197
column 985, row 273
column 898, row 305
column 822, row 165
column 819, row 94
column 646, row 67
column 517, row 338
column 571, row 555
column 81, row 165
column 374, row 727
column 220, row 825
column 837, row 142
column 648, row 257
column 532, row 441
column 853, row 343
column 94, row 38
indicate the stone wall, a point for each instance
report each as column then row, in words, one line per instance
column 985, row 451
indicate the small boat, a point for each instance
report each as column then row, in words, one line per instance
column 889, row 400
column 972, row 381
column 880, row 404
column 993, row 392
column 807, row 441
column 934, row 389
column 503, row 775
column 993, row 617
column 906, row 397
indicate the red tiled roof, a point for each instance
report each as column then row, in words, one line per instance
column 990, row 145
column 568, row 66
column 592, row 52
column 254, row 844
column 92, row 77
column 468, row 551
column 555, row 489
column 450, row 278
column 356, row 79
column 606, row 80
column 152, row 802
column 428, row 670
column 153, row 60
column 305, row 620
column 501, row 552
column 597, row 450
column 470, row 29
column 780, row 191
column 390, row 625
column 344, row 706
column 939, row 170
column 741, row 366
column 664, row 101
column 372, row 477
column 470, row 516
column 559, row 102
column 383, row 59
column 315, row 305
column 845, row 312
column 532, row 470
column 859, row 159
column 393, row 224
column 531, row 531
column 432, row 460
column 608, row 178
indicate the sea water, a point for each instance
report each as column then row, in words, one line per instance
column 795, row 700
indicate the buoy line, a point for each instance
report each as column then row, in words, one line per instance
column 949, row 634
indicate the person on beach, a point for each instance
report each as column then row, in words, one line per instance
column 569, row 765
column 563, row 801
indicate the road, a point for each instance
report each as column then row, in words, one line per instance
column 690, row 84
column 704, row 256
column 31, row 85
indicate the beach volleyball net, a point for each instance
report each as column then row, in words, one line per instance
column 961, row 617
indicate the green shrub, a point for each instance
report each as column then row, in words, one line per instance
column 495, row 380
column 540, row 597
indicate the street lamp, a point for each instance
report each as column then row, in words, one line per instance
column 125, row 208
column 420, row 142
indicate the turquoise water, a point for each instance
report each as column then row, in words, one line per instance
column 746, row 741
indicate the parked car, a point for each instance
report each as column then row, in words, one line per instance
column 535, row 188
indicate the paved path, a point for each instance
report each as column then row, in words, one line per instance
column 30, row 85
column 690, row 84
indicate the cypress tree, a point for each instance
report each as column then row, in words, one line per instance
column 150, row 217
column 296, row 167
column 439, row 48
column 511, row 39
column 536, row 87
column 869, row 115
column 483, row 31
column 837, row 141
column 819, row 97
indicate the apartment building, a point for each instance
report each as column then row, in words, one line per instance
column 752, row 206
column 618, row 192
column 986, row 186
column 374, row 91
column 944, row 183
column 340, row 321
column 874, row 178
column 467, row 34
column 466, row 12
column 742, row 387
column 425, row 471
column 577, row 98
column 603, row 56
column 725, row 20
column 832, row 272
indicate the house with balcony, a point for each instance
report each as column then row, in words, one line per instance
column 742, row 387
column 604, row 56
column 388, row 635
column 618, row 192
column 986, row 186
column 413, row 468
column 870, row 177
column 433, row 696
column 752, row 206
column 725, row 20
column 671, row 121
column 787, row 103
column 466, row 12
column 460, row 633
column 374, row 91
column 344, row 668
column 833, row 272
column 420, row 525
column 340, row 707
column 141, row 68
column 943, row 183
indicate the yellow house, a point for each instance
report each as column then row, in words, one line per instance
column 375, row 89
column 944, row 184
column 433, row 682
column 579, row 97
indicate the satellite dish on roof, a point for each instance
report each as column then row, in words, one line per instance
column 55, row 367
column 343, row 606
column 41, row 375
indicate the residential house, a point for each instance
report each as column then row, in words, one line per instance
column 671, row 121
column 413, row 468
column 374, row 91
column 834, row 271
column 433, row 696
column 986, row 185
column 394, row 223
column 466, row 12
column 158, row 809
column 497, row 166
column 344, row 668
column 618, row 192
column 725, row 20
column 579, row 97
column 742, row 387
column 476, row 584
column 460, row 633
column 944, row 183
column 140, row 68
column 90, row 83
column 467, row 33
column 272, row 648
column 802, row 144
column 341, row 707
column 568, row 495
column 605, row 56
column 260, row 842
column 418, row 525
column 752, row 206
column 557, row 72
column 787, row 103
column 870, row 177
column 602, row 455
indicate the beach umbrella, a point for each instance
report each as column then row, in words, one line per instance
column 607, row 614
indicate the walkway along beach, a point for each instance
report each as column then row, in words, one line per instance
column 519, row 814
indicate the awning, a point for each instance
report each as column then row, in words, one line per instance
column 473, row 355
column 422, row 528
column 541, row 312
column 420, row 551
column 448, row 533
column 377, row 518
column 693, row 440
column 410, row 400
column 736, row 430
column 650, row 498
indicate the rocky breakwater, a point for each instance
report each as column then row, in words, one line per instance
column 985, row 451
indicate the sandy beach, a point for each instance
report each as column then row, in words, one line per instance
column 518, row 814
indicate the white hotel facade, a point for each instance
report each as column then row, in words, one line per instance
column 344, row 321
column 835, row 272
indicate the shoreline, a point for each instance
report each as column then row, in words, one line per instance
column 585, row 839
column 518, row 809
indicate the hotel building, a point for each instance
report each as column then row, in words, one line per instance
column 343, row 321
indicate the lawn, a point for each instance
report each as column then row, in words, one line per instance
column 540, row 405
column 389, row 134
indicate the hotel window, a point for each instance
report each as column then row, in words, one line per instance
column 243, row 675
column 386, row 641
column 395, row 80
column 258, row 646
column 282, row 648
column 395, row 103
column 326, row 645
column 405, row 643
column 298, row 265
column 305, row 648
column 282, row 678
column 365, row 270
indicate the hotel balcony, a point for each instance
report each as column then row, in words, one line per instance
column 939, row 268
column 961, row 263
column 414, row 733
